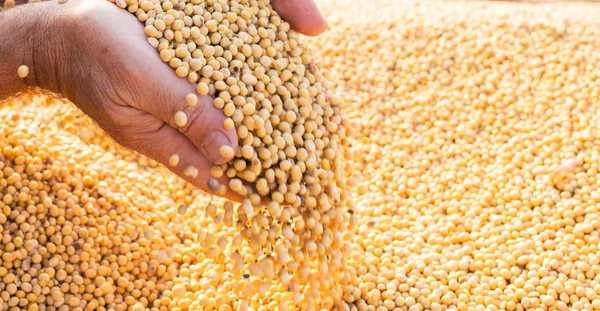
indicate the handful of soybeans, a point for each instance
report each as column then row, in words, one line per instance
column 292, row 138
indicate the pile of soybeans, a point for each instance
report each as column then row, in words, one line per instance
column 474, row 148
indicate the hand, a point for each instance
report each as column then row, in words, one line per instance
column 107, row 68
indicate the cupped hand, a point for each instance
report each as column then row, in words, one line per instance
column 108, row 69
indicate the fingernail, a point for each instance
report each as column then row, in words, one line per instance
column 212, row 144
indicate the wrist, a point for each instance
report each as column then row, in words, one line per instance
column 49, row 48
column 35, row 37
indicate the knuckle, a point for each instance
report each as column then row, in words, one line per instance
column 197, row 120
column 136, row 132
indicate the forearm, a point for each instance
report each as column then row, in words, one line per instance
column 28, row 38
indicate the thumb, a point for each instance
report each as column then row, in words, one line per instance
column 155, row 139
column 202, row 123
column 302, row 15
column 163, row 96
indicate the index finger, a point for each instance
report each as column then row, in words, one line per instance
column 302, row 15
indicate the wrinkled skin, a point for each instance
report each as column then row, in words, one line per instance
column 97, row 55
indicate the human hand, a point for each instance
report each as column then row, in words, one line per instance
column 102, row 62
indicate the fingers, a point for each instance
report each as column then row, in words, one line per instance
column 159, row 141
column 302, row 15
column 203, row 126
